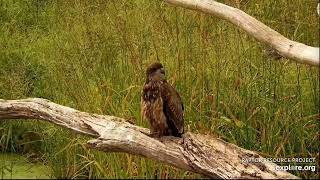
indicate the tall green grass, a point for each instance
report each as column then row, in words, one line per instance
column 91, row 55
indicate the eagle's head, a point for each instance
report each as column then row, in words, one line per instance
column 155, row 72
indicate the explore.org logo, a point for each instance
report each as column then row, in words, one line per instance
column 309, row 163
column 296, row 168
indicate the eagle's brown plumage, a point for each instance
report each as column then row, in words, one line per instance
column 161, row 104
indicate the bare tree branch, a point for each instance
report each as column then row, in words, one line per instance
column 198, row 153
column 285, row 47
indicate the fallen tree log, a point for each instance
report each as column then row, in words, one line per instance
column 198, row 153
column 287, row 48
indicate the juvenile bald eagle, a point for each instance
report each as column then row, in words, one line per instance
column 161, row 104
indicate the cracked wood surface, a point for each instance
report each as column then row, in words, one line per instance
column 198, row 153
column 287, row 48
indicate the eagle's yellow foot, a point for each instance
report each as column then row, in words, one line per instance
column 170, row 138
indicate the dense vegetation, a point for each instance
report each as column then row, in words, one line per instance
column 91, row 55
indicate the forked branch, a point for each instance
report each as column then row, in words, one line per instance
column 198, row 153
column 287, row 48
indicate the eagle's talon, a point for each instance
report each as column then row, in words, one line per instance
column 154, row 135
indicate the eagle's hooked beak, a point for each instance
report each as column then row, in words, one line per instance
column 162, row 71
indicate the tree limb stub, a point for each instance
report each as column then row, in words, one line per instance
column 198, row 153
column 287, row 48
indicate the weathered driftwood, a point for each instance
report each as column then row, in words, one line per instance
column 285, row 47
column 198, row 153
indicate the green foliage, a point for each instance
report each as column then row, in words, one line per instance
column 91, row 55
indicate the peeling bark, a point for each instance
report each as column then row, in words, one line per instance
column 287, row 48
column 198, row 153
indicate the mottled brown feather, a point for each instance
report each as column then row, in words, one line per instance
column 173, row 107
column 162, row 106
column 152, row 109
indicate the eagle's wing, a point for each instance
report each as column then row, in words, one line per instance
column 173, row 108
